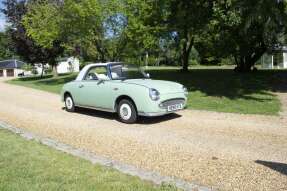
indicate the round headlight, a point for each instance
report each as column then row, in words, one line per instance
column 185, row 90
column 154, row 94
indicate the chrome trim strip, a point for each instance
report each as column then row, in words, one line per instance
column 97, row 108
column 156, row 114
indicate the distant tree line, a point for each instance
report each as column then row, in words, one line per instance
column 172, row 32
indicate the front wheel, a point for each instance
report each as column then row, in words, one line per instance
column 127, row 111
column 69, row 103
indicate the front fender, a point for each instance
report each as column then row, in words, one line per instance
column 139, row 94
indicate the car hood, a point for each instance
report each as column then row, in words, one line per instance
column 162, row 86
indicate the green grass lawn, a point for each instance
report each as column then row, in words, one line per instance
column 28, row 165
column 47, row 83
column 213, row 89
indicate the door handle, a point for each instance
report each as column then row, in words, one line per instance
column 81, row 86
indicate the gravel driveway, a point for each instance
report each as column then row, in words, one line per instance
column 226, row 151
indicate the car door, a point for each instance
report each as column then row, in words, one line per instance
column 95, row 89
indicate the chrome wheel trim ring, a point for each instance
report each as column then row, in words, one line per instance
column 125, row 111
column 69, row 103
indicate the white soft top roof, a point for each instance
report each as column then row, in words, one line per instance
column 83, row 72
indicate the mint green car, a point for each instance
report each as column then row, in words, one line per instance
column 125, row 89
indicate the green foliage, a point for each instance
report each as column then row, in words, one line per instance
column 247, row 29
column 82, row 21
column 144, row 25
column 27, row 67
column 159, row 32
column 5, row 46
column 40, row 25
column 188, row 19
column 20, row 42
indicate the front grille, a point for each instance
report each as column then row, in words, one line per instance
column 169, row 102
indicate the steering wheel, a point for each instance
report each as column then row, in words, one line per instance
column 92, row 76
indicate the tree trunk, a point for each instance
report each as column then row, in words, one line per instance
column 185, row 58
column 186, row 49
column 246, row 63
column 146, row 59
column 55, row 73
column 42, row 72
column 102, row 51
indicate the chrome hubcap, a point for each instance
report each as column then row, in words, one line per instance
column 69, row 103
column 125, row 111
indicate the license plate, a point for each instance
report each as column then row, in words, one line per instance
column 174, row 107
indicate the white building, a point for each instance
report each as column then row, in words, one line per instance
column 275, row 59
column 64, row 65
column 68, row 65
column 39, row 68
column 11, row 68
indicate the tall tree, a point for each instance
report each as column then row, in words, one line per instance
column 83, row 24
column 187, row 19
column 145, row 25
column 24, row 45
column 74, row 24
column 44, row 31
column 248, row 28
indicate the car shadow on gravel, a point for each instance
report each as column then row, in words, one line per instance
column 279, row 167
column 96, row 113
column 159, row 119
column 114, row 116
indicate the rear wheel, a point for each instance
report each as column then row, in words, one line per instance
column 69, row 103
column 127, row 111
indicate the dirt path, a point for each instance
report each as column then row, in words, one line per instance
column 226, row 151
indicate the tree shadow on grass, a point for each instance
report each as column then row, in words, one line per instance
column 227, row 83
column 211, row 82
column 57, row 81
column 279, row 167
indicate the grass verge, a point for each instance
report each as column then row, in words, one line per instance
column 28, row 165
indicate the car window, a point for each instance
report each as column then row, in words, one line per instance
column 97, row 73
column 126, row 71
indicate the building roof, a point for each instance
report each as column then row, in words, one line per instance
column 10, row 64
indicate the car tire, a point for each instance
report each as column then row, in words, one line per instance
column 127, row 111
column 69, row 103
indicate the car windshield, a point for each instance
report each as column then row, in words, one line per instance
column 127, row 71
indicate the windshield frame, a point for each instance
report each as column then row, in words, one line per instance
column 139, row 70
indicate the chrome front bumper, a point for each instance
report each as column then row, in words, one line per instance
column 156, row 114
column 163, row 108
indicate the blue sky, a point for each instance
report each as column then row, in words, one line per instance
column 2, row 18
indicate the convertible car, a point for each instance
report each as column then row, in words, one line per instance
column 124, row 89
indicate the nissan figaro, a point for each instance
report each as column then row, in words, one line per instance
column 123, row 89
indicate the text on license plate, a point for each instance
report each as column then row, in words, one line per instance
column 174, row 107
